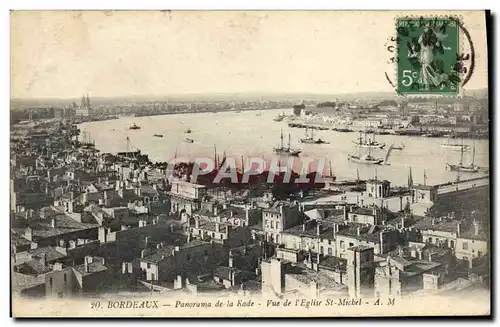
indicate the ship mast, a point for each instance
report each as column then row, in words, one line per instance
column 473, row 151
column 281, row 139
column 462, row 153
column 289, row 140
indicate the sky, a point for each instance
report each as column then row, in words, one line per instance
column 125, row 53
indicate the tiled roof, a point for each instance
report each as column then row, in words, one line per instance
column 94, row 267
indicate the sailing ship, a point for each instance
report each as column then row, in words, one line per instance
column 134, row 126
column 187, row 131
column 366, row 143
column 158, row 135
column 368, row 158
column 280, row 117
column 472, row 168
column 188, row 140
column 310, row 138
column 286, row 151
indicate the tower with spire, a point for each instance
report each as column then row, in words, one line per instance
column 84, row 110
column 410, row 178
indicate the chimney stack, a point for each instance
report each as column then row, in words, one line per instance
column 458, row 229
column 318, row 229
column 53, row 222
column 197, row 222
column 303, row 227
column 402, row 222
column 476, row 227
column 230, row 259
column 358, row 231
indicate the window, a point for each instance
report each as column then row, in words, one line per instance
column 329, row 242
column 430, row 240
column 341, row 245
column 322, row 250
column 330, row 251
column 221, row 236
column 277, row 225
column 272, row 224
column 452, row 244
column 465, row 246
column 213, row 235
column 188, row 257
column 479, row 253
column 351, row 244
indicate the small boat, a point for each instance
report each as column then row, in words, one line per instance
column 280, row 117
column 187, row 131
column 366, row 159
column 398, row 147
column 134, row 126
column 158, row 135
column 286, row 151
column 189, row 140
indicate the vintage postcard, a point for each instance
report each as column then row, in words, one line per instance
column 249, row 164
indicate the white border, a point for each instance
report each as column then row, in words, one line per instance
column 193, row 4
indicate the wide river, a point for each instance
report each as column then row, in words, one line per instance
column 254, row 133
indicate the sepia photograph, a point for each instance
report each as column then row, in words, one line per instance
column 171, row 164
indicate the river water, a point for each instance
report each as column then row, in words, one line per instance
column 254, row 133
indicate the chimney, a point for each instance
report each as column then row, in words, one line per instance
column 176, row 248
column 230, row 259
column 358, row 231
column 196, row 223
column 247, row 214
column 217, row 227
column 303, row 227
column 476, row 227
column 419, row 253
column 88, row 260
column 381, row 242
column 334, row 230
column 345, row 212
column 172, row 228
column 433, row 221
column 458, row 229
column 216, row 210
column 402, row 222
column 430, row 257
column 53, row 222
column 318, row 229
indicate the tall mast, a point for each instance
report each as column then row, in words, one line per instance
column 473, row 151
column 289, row 140
column 312, row 133
column 281, row 139
column 462, row 152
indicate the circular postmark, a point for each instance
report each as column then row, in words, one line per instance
column 429, row 55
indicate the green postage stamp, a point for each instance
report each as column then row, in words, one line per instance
column 428, row 56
